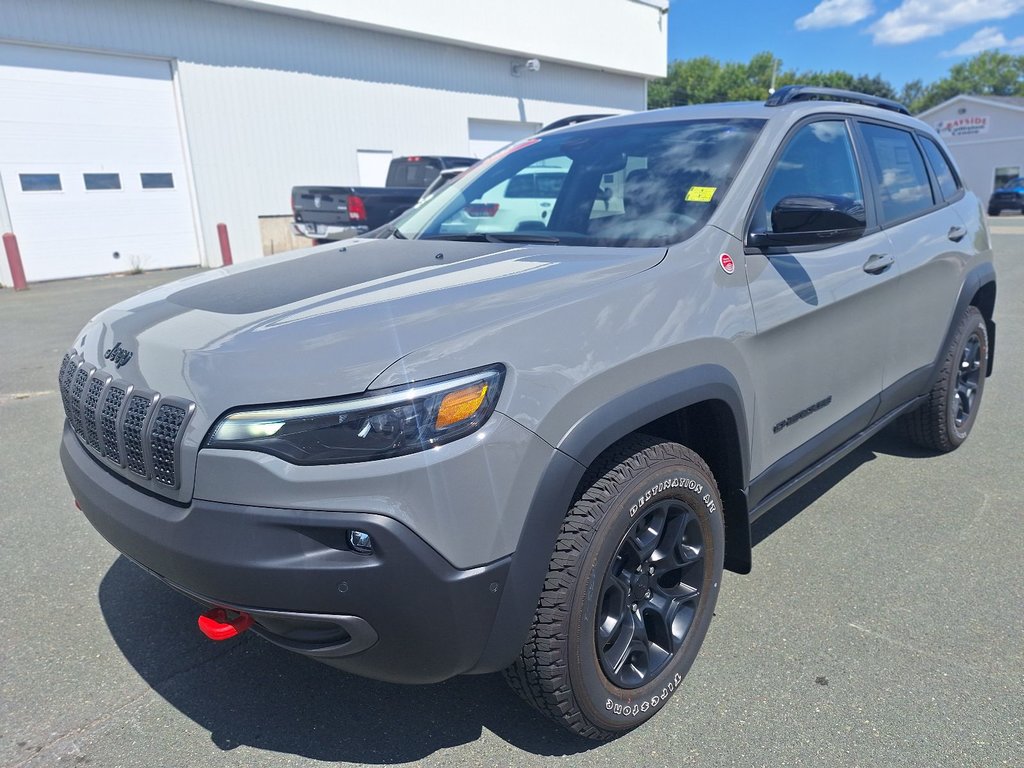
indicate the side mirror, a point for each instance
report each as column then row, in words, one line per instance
column 812, row 220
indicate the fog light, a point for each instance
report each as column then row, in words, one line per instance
column 360, row 542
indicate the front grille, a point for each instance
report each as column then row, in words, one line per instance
column 134, row 419
column 90, row 430
column 108, row 424
column 165, row 430
column 131, row 428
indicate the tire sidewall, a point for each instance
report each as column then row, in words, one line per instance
column 603, row 703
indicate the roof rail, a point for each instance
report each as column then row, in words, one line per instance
column 791, row 93
column 571, row 120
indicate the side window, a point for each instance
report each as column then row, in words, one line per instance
column 817, row 162
column 940, row 167
column 903, row 185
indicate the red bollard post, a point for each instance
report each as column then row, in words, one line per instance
column 225, row 245
column 14, row 261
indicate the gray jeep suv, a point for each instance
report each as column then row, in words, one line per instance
column 459, row 448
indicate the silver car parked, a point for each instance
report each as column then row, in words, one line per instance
column 462, row 448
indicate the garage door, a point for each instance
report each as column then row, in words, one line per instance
column 91, row 163
column 488, row 136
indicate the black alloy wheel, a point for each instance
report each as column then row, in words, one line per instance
column 630, row 589
column 650, row 594
column 945, row 418
column 967, row 380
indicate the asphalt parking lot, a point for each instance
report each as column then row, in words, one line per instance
column 883, row 624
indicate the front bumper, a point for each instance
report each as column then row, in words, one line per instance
column 401, row 614
column 1006, row 204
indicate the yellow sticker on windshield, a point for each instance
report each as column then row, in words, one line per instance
column 700, row 194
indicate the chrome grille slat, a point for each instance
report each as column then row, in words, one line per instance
column 138, row 431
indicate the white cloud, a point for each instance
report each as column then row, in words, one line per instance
column 986, row 39
column 836, row 13
column 919, row 19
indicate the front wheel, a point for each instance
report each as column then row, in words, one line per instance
column 945, row 419
column 629, row 592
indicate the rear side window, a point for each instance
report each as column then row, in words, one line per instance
column 535, row 185
column 903, row 185
column 412, row 173
column 941, row 168
column 817, row 162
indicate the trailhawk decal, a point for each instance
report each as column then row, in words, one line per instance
column 675, row 482
column 801, row 414
column 632, row 710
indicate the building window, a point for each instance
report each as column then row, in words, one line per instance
column 1004, row 175
column 157, row 180
column 98, row 181
column 40, row 182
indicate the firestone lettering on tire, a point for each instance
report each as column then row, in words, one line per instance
column 675, row 482
column 632, row 710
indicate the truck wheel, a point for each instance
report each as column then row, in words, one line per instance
column 629, row 592
column 945, row 419
column 993, row 211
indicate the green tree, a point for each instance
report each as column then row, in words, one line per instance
column 703, row 80
column 990, row 73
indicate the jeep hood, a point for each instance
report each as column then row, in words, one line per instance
column 326, row 322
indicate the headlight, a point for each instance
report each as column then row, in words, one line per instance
column 375, row 425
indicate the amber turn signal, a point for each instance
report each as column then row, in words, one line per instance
column 460, row 404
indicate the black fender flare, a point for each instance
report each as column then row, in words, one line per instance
column 578, row 448
column 980, row 276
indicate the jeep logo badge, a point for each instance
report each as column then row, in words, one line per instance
column 118, row 355
column 316, row 201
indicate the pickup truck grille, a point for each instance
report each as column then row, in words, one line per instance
column 134, row 429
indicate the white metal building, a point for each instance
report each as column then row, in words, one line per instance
column 985, row 134
column 130, row 128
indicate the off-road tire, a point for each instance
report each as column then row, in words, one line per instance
column 935, row 424
column 559, row 670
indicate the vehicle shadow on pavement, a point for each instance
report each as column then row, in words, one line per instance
column 246, row 691
column 888, row 442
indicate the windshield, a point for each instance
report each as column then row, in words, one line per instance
column 622, row 185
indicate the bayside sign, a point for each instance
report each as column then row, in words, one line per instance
column 963, row 126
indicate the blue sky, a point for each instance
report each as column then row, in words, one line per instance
column 900, row 40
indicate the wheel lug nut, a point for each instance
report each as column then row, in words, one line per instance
column 634, row 606
column 647, row 594
column 651, row 570
column 639, row 568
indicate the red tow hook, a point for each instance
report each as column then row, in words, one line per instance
column 217, row 625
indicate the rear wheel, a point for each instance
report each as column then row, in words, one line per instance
column 993, row 211
column 945, row 419
column 630, row 590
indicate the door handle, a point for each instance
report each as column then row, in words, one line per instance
column 878, row 263
column 956, row 234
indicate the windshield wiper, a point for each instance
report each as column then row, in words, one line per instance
column 496, row 237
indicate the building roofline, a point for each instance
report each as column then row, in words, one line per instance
column 994, row 102
column 293, row 9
